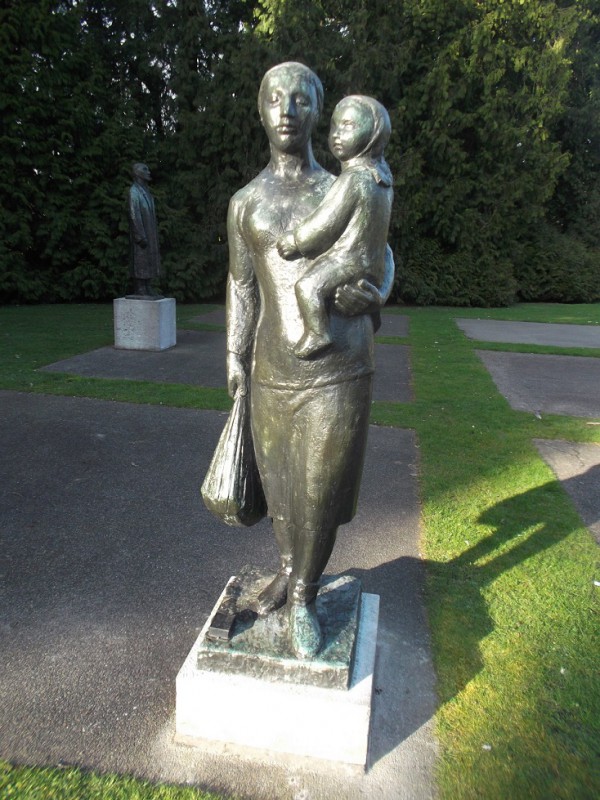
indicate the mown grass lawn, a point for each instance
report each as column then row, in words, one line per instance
column 511, row 570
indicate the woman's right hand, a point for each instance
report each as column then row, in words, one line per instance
column 237, row 379
column 361, row 297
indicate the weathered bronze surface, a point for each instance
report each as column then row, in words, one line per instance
column 223, row 621
column 261, row 648
column 143, row 234
column 347, row 234
column 309, row 414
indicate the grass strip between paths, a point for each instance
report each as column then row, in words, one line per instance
column 512, row 603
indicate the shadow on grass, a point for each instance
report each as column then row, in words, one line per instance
column 525, row 526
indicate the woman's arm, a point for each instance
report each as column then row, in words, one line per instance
column 241, row 310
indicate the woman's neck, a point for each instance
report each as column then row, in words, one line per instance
column 293, row 165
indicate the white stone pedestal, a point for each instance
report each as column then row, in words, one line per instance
column 237, row 709
column 144, row 324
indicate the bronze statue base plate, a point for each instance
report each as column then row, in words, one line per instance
column 246, row 704
column 239, row 642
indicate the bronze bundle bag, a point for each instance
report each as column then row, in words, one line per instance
column 232, row 490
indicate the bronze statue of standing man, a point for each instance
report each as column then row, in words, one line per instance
column 143, row 229
column 309, row 415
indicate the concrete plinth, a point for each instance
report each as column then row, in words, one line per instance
column 215, row 706
column 144, row 324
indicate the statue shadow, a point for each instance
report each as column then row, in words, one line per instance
column 406, row 690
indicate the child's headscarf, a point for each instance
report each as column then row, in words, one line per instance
column 382, row 130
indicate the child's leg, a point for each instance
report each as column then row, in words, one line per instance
column 312, row 290
column 310, row 294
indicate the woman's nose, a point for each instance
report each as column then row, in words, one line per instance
column 287, row 107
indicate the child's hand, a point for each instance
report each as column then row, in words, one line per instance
column 287, row 245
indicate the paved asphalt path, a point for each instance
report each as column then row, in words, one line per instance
column 544, row 333
column 199, row 359
column 110, row 565
column 577, row 466
column 546, row 384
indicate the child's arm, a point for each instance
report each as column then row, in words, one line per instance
column 321, row 229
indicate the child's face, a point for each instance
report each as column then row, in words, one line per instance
column 351, row 130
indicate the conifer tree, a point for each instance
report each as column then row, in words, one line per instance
column 476, row 93
column 212, row 152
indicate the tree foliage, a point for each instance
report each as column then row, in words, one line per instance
column 495, row 108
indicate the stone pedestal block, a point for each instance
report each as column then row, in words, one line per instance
column 144, row 324
column 263, row 708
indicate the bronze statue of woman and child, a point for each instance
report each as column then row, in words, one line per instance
column 309, row 271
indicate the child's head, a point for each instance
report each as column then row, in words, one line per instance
column 360, row 125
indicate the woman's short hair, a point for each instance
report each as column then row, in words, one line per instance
column 293, row 67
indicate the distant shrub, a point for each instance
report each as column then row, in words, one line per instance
column 559, row 268
column 428, row 276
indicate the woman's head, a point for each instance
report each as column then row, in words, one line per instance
column 290, row 101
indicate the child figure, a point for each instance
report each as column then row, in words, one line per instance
column 347, row 232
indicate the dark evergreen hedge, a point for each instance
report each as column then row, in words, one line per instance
column 495, row 109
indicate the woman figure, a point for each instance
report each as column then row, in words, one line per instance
column 309, row 417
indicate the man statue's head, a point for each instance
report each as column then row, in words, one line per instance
column 141, row 173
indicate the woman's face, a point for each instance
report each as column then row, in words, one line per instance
column 351, row 130
column 288, row 110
